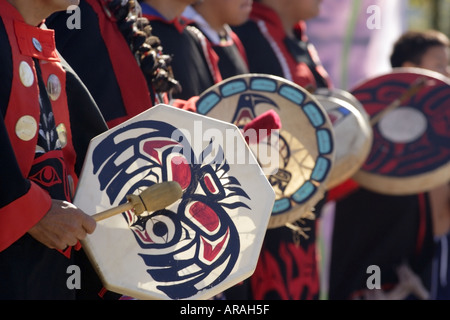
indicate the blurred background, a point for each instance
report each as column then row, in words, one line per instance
column 354, row 38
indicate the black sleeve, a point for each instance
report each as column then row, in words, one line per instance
column 6, row 66
column 12, row 183
column 258, row 50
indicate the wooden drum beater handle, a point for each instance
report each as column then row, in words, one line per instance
column 153, row 198
column 415, row 87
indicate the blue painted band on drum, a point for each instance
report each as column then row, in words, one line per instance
column 292, row 94
column 208, row 102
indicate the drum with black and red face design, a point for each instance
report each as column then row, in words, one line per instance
column 305, row 145
column 411, row 147
column 202, row 244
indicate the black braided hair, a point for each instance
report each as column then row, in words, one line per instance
column 147, row 48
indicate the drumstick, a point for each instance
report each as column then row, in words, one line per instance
column 418, row 84
column 153, row 198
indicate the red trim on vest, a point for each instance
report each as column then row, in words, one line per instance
column 20, row 103
column 132, row 83
column 46, row 38
column 210, row 55
column 20, row 215
column 61, row 113
column 179, row 23
column 213, row 59
column 68, row 251
column 239, row 45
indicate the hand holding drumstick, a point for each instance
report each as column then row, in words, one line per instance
column 154, row 198
column 64, row 224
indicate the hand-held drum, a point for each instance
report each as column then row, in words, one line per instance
column 352, row 132
column 410, row 117
column 201, row 244
column 345, row 96
column 302, row 154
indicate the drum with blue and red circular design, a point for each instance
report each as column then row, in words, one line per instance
column 305, row 145
column 202, row 244
column 411, row 145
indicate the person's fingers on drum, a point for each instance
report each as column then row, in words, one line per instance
column 71, row 241
column 89, row 224
column 62, row 226
column 79, row 223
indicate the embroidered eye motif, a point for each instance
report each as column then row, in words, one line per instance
column 47, row 177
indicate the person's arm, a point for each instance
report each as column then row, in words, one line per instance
column 62, row 226
column 22, row 202
column 25, row 207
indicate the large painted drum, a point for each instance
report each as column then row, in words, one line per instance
column 305, row 146
column 352, row 132
column 410, row 118
column 195, row 248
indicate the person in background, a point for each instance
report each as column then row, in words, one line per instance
column 194, row 62
column 214, row 18
column 46, row 122
column 275, row 43
column 393, row 232
column 430, row 50
column 117, row 57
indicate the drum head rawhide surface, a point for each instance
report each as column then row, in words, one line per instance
column 305, row 146
column 202, row 244
column 352, row 133
column 343, row 95
column 411, row 148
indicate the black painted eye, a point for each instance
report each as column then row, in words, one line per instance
column 160, row 229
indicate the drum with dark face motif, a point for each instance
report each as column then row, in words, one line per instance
column 411, row 147
column 305, row 145
column 204, row 243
